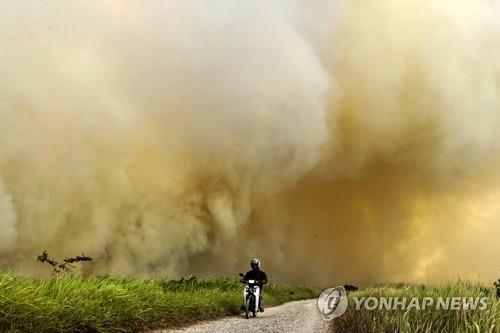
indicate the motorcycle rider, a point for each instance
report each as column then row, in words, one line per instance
column 256, row 274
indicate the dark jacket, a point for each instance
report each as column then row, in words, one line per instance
column 256, row 275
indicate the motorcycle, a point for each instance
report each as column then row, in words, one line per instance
column 251, row 296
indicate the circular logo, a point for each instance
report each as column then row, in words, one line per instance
column 332, row 303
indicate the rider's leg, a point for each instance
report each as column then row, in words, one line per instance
column 261, row 307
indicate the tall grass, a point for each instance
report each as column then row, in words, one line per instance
column 423, row 320
column 68, row 303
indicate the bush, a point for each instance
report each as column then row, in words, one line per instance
column 71, row 303
column 423, row 320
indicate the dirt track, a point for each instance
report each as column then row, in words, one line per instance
column 293, row 317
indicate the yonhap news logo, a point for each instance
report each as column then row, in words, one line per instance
column 333, row 303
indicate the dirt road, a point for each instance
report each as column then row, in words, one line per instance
column 293, row 317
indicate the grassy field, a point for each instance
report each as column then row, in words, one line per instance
column 423, row 320
column 67, row 303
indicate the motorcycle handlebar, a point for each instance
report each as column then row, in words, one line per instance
column 256, row 281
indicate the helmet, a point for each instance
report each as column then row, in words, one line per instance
column 255, row 263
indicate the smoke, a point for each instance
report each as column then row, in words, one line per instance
column 346, row 140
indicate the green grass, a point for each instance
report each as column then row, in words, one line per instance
column 70, row 303
column 427, row 320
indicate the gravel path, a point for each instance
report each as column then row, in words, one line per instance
column 293, row 317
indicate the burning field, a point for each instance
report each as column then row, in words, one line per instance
column 345, row 140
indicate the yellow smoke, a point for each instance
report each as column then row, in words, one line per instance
column 346, row 140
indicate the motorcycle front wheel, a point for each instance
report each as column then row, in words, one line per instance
column 250, row 306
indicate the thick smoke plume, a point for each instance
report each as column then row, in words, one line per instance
column 345, row 140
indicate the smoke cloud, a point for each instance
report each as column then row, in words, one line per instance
column 341, row 141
